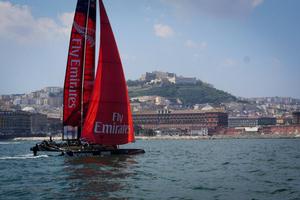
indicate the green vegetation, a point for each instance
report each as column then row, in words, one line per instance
column 133, row 83
column 189, row 94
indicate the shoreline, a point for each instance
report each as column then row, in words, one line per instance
column 167, row 137
column 56, row 138
column 214, row 137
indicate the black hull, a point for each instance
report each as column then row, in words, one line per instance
column 105, row 152
column 77, row 149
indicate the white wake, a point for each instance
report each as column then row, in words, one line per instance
column 22, row 157
column 9, row 143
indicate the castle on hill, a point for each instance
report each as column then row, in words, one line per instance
column 166, row 77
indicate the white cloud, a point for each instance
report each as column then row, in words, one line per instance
column 193, row 44
column 217, row 8
column 163, row 31
column 190, row 44
column 18, row 23
column 229, row 62
column 66, row 19
column 257, row 2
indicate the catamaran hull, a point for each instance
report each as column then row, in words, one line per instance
column 105, row 152
column 78, row 150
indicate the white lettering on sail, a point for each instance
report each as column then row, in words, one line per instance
column 117, row 117
column 112, row 128
column 89, row 36
column 74, row 70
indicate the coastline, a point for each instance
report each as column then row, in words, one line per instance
column 168, row 137
column 213, row 137
column 56, row 138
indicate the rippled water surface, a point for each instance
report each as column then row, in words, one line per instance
column 170, row 169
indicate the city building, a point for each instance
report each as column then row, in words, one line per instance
column 149, row 76
column 266, row 121
column 284, row 120
column 242, row 122
column 163, row 77
column 5, row 97
column 181, row 119
column 39, row 123
column 15, row 122
column 185, row 80
column 250, row 121
column 53, row 89
column 25, row 123
column 296, row 117
column 157, row 100
column 54, row 125
column 55, row 101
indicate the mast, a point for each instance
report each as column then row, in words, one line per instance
column 109, row 119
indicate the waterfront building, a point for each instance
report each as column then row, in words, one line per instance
column 242, row 122
column 24, row 123
column 54, row 125
column 284, row 121
column 181, row 119
column 135, row 106
column 15, row 122
column 266, row 121
column 296, row 117
column 39, row 123
column 288, row 121
column 250, row 121
column 280, row 120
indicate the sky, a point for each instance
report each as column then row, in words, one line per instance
column 249, row 48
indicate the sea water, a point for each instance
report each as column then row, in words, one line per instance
column 170, row 169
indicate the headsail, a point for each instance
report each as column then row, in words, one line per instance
column 109, row 119
column 78, row 60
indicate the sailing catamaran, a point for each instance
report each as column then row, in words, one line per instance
column 96, row 113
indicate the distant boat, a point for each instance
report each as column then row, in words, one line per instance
column 96, row 113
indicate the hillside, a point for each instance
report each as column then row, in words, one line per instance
column 189, row 94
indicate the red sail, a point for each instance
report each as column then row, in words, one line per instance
column 89, row 58
column 74, row 73
column 109, row 119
